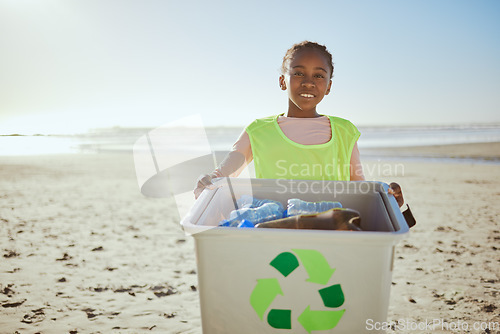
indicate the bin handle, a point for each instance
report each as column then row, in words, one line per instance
column 397, row 219
column 198, row 208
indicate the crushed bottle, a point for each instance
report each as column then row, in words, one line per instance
column 253, row 211
column 299, row 207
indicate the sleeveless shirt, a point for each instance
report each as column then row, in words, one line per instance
column 277, row 157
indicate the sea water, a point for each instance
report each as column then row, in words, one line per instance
column 122, row 140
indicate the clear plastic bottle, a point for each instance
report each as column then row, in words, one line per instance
column 247, row 201
column 263, row 213
column 299, row 207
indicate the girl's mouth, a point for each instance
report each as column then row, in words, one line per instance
column 307, row 96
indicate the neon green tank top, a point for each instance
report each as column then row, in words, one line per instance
column 277, row 157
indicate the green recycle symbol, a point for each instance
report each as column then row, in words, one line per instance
column 319, row 271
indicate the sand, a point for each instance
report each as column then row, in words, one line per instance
column 82, row 251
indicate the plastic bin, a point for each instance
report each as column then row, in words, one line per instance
column 295, row 281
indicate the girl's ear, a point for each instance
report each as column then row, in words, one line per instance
column 329, row 88
column 282, row 82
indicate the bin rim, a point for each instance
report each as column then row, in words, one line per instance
column 401, row 229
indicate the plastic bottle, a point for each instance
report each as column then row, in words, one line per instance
column 247, row 201
column 299, row 207
column 263, row 213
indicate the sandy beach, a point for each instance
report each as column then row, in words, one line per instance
column 83, row 251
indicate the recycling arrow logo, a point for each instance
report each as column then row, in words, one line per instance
column 320, row 272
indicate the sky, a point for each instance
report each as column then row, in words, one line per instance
column 67, row 66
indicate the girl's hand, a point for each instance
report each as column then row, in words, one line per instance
column 395, row 190
column 231, row 163
column 204, row 181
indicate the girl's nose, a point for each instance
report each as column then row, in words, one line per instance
column 307, row 82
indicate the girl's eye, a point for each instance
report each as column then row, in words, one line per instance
column 299, row 74
column 319, row 76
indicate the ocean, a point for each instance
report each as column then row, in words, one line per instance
column 122, row 140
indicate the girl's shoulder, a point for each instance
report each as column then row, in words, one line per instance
column 342, row 123
column 260, row 122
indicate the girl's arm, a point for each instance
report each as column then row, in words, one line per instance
column 356, row 168
column 239, row 157
column 232, row 165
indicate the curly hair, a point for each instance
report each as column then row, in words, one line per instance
column 306, row 45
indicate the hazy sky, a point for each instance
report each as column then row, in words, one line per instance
column 68, row 65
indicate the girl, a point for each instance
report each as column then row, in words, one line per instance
column 303, row 144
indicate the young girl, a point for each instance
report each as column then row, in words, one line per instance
column 303, row 144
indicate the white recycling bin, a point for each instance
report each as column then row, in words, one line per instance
column 255, row 280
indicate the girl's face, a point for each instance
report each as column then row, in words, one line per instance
column 307, row 81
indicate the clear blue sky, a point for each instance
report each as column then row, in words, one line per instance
column 68, row 65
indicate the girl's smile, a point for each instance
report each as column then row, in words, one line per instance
column 307, row 81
